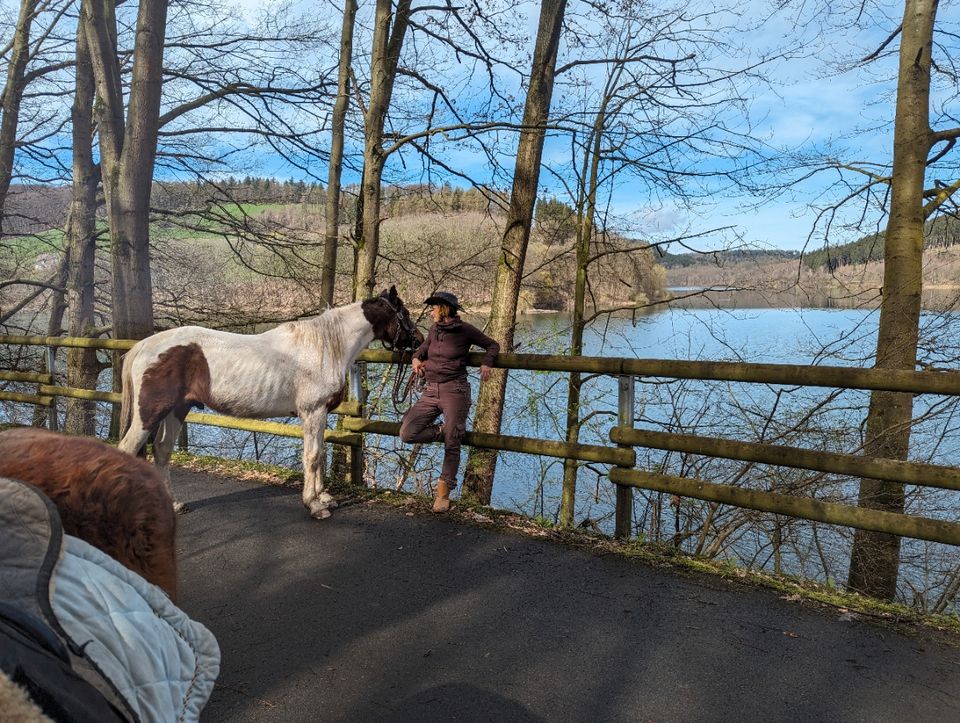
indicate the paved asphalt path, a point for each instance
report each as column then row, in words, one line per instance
column 380, row 615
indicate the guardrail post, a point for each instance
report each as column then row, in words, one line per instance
column 116, row 374
column 625, row 407
column 51, row 370
column 356, row 450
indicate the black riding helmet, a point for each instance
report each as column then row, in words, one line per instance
column 443, row 297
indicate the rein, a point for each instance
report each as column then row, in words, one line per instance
column 402, row 394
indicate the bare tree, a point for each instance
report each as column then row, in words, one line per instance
column 29, row 119
column 481, row 464
column 875, row 557
column 332, row 215
column 656, row 120
column 892, row 204
column 83, row 367
column 12, row 95
column 389, row 28
column 128, row 147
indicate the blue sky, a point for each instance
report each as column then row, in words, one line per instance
column 809, row 103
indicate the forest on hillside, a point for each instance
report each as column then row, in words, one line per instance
column 214, row 266
column 847, row 275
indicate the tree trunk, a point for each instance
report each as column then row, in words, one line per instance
column 369, row 242
column 42, row 415
column 481, row 463
column 12, row 97
column 332, row 216
column 384, row 57
column 875, row 557
column 83, row 368
column 586, row 212
column 128, row 150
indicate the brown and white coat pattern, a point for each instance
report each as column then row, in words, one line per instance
column 298, row 368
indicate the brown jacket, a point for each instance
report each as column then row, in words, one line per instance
column 444, row 351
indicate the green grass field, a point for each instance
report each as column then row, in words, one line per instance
column 29, row 246
column 32, row 245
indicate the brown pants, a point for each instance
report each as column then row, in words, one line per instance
column 452, row 400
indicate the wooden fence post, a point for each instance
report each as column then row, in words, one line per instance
column 357, row 374
column 116, row 375
column 51, row 370
column 625, row 405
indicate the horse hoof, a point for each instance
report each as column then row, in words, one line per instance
column 180, row 508
column 327, row 500
column 321, row 514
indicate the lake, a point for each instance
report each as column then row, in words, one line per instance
column 811, row 418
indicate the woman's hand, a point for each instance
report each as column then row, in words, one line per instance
column 484, row 373
column 417, row 365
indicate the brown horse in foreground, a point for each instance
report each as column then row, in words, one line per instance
column 117, row 503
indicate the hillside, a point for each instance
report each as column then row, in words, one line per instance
column 33, row 209
column 724, row 258
column 847, row 262
column 790, row 281
column 941, row 232
column 251, row 251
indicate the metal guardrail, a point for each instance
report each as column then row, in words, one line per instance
column 622, row 457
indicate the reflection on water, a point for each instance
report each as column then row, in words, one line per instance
column 811, row 418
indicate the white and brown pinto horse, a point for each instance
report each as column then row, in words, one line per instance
column 298, row 368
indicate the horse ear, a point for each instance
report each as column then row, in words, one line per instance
column 393, row 292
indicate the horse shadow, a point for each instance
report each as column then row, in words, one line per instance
column 239, row 496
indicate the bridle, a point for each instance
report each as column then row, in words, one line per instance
column 404, row 325
column 402, row 391
column 404, row 388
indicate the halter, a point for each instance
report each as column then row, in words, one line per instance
column 403, row 325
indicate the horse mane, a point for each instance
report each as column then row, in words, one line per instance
column 326, row 334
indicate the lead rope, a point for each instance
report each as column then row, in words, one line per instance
column 416, row 382
column 404, row 389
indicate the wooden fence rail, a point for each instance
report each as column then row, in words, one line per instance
column 922, row 528
column 622, row 457
column 914, row 473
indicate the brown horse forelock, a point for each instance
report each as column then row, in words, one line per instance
column 177, row 381
column 115, row 502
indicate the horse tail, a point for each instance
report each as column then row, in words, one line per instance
column 126, row 396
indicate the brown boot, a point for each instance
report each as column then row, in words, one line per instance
column 441, row 502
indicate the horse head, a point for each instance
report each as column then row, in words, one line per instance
column 391, row 321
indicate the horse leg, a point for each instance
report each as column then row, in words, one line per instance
column 133, row 441
column 315, row 498
column 133, row 432
column 136, row 436
column 162, row 449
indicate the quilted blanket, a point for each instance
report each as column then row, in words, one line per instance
column 117, row 632
column 163, row 663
